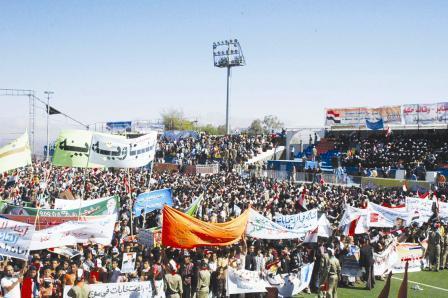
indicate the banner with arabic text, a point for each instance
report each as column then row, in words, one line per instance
column 15, row 238
column 77, row 203
column 79, row 148
column 300, row 223
column 140, row 289
column 261, row 227
column 150, row 201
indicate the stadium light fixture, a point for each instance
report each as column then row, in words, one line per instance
column 228, row 54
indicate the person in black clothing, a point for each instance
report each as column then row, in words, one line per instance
column 366, row 261
column 250, row 262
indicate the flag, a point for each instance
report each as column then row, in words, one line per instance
column 403, row 292
column 193, row 209
column 180, row 230
column 52, row 111
column 16, row 154
column 385, row 292
column 388, row 132
column 423, row 195
column 405, row 188
column 375, row 125
column 126, row 185
column 333, row 116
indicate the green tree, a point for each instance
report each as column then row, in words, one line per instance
column 271, row 122
column 256, row 127
column 175, row 120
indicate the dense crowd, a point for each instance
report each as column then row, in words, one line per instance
column 204, row 148
column 414, row 153
column 201, row 271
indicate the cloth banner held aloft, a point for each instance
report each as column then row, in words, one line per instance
column 142, row 289
column 16, row 154
column 153, row 200
column 300, row 223
column 15, row 238
column 79, row 148
column 261, row 227
column 180, row 230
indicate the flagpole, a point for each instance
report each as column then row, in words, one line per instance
column 130, row 203
column 84, row 195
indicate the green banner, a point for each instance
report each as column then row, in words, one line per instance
column 72, row 148
column 106, row 207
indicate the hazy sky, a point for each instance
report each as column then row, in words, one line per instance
column 127, row 60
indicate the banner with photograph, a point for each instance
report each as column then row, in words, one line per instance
column 358, row 116
column 261, row 227
column 150, row 201
column 384, row 217
column 300, row 223
column 15, row 238
column 128, row 262
column 142, row 289
column 421, row 210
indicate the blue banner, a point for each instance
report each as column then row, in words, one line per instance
column 375, row 125
column 122, row 125
column 176, row 135
column 150, row 201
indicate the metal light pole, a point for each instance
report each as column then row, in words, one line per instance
column 227, row 54
column 48, row 93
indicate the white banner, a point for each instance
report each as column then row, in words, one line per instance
column 299, row 223
column 128, row 263
column 15, row 238
column 289, row 285
column 245, row 281
column 352, row 213
column 62, row 204
column 385, row 260
column 420, row 210
column 384, row 217
column 261, row 227
column 16, row 154
column 97, row 230
column 420, row 114
column 141, row 289
column 120, row 152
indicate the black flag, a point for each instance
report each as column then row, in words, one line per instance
column 52, row 111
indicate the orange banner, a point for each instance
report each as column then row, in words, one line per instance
column 183, row 231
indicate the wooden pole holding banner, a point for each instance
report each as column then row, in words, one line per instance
column 85, row 169
column 130, row 203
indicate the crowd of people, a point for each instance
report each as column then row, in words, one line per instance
column 415, row 153
column 202, row 271
column 203, row 148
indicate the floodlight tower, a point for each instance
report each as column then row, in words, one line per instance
column 227, row 54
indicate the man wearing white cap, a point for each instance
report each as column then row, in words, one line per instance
column 173, row 282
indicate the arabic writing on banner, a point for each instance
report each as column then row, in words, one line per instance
column 412, row 253
column 420, row 210
column 150, row 201
column 141, row 289
column 15, row 238
column 16, row 154
column 384, row 217
column 98, row 230
column 435, row 113
column 357, row 116
column 119, row 126
column 106, row 207
column 261, row 227
column 244, row 281
column 77, row 203
column 44, row 222
column 300, row 223
column 78, row 148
